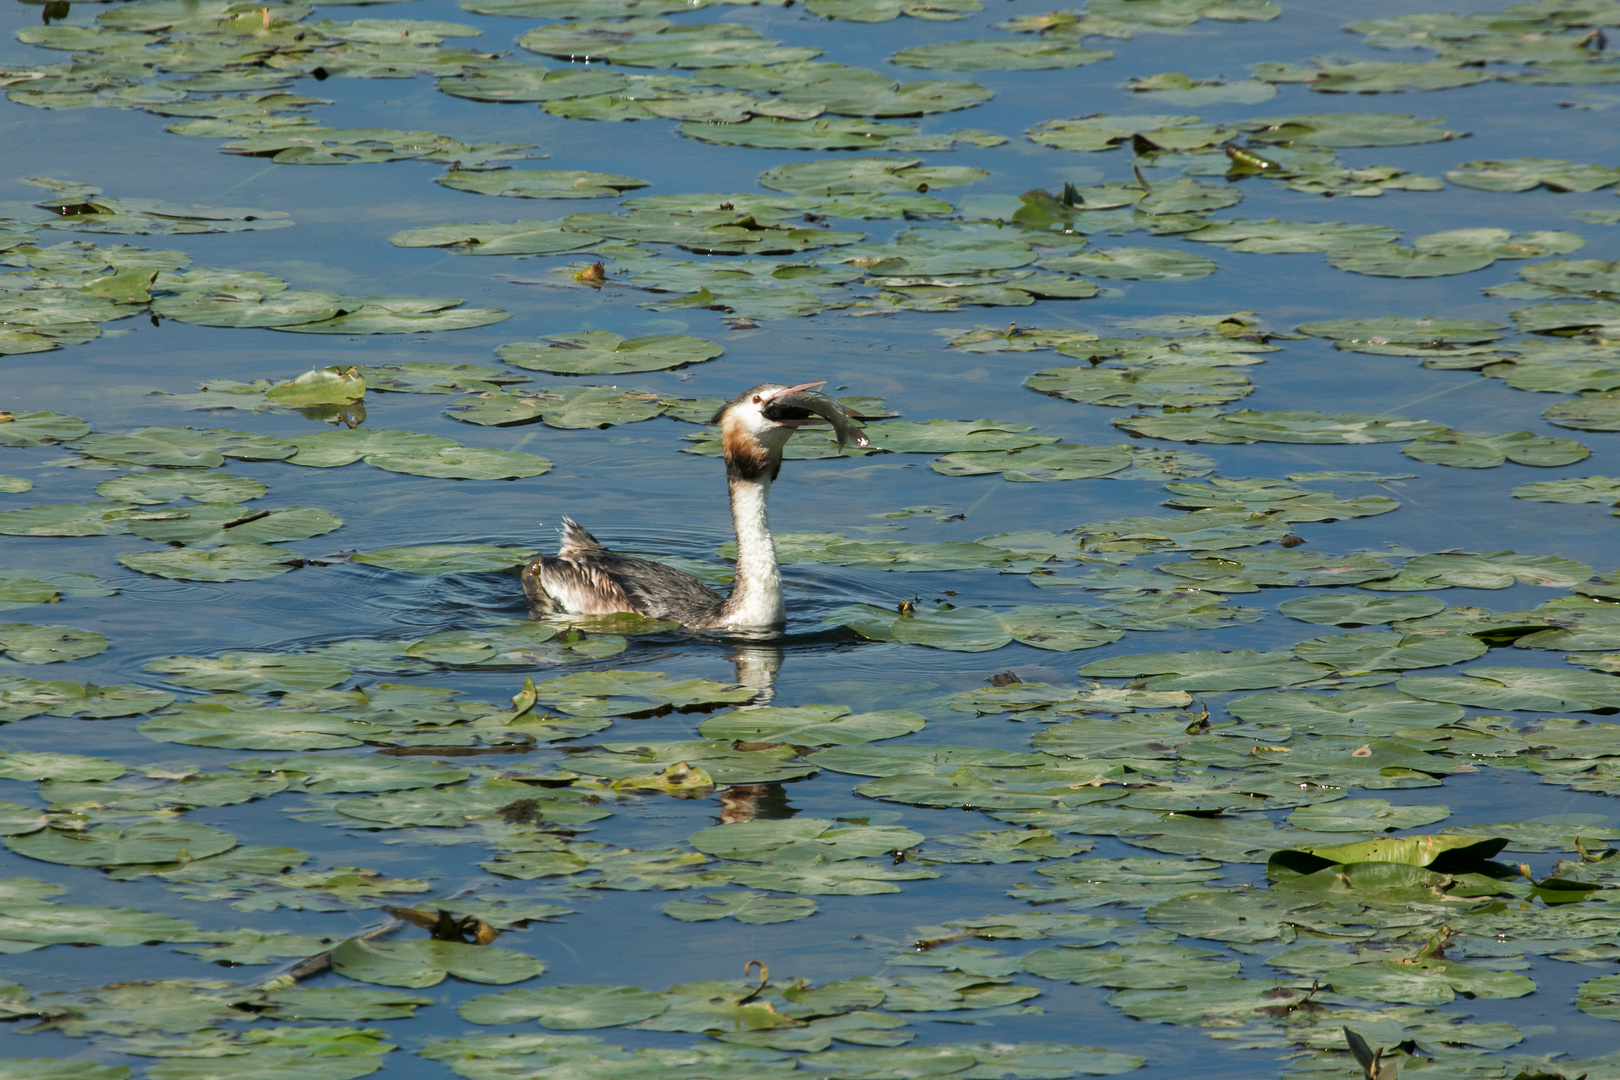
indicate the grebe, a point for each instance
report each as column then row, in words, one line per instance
column 585, row 578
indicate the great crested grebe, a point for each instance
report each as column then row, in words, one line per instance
column 585, row 578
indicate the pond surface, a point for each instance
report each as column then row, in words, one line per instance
column 1068, row 662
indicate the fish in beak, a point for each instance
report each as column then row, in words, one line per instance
column 795, row 406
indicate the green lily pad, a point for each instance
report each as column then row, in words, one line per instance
column 634, row 693
column 946, row 436
column 1172, row 385
column 215, row 524
column 231, row 562
column 1286, row 426
column 1057, row 461
column 1403, row 330
column 205, row 724
column 1587, row 412
column 1134, row 264
column 66, row 519
column 1102, row 132
column 1600, row 997
column 182, row 447
column 653, row 42
column 417, row 964
column 597, row 352
column 497, row 237
column 978, row 629
column 1532, row 689
column 1358, row 609
column 751, row 908
column 1524, row 174
column 1365, row 815
column 152, row 488
column 1389, row 650
column 28, row 643
column 558, row 406
column 25, row 588
column 251, row 672
column 1348, row 129
column 866, row 175
column 111, row 845
column 1463, row 450
column 24, row 427
column 566, row 1008
column 809, row 725
column 542, row 183
column 999, row 55
column 1208, row 671
column 1583, row 489
column 445, row 558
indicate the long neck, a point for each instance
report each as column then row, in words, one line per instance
column 756, row 597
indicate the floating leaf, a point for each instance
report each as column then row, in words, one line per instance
column 1463, row 450
column 1358, row 609
column 445, row 558
column 809, row 725
column 596, row 352
column 110, row 845
column 231, row 562
column 566, row 1008
column 978, row 629
column 426, row 963
column 251, row 672
column 1208, row 671
column 1533, row 689
column 1587, row 412
column 751, row 908
column 1057, row 461
column 152, row 488
column 27, row 643
column 1523, row 174
column 497, row 237
column 999, row 55
column 542, row 183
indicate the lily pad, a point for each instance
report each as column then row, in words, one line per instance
column 497, row 237
column 251, row 672
column 1464, row 450
column 1208, row 671
column 597, row 352
column 153, row 488
column 28, row 643
column 750, row 908
column 542, row 183
column 1134, row 264
column 1524, row 174
column 445, row 558
column 416, row 964
column 111, row 845
column 809, row 725
column 566, row 1008
column 1531, row 689
column 231, row 562
column 1358, row 609
column 999, row 55
column 978, row 629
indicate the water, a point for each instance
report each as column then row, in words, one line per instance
column 630, row 486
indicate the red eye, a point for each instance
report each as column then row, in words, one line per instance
column 757, row 399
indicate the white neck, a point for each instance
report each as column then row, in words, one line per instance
column 756, row 598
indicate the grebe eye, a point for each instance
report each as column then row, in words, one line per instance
column 757, row 399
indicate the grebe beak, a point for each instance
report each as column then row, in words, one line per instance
column 799, row 405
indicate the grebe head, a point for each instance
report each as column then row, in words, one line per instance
column 756, row 425
column 770, row 411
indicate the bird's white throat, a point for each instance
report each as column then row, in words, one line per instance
column 756, row 597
